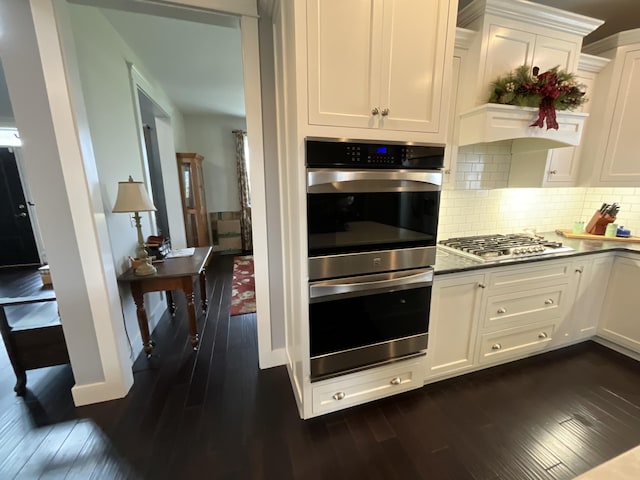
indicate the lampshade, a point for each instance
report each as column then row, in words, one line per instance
column 132, row 197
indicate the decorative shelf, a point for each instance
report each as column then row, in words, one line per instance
column 494, row 122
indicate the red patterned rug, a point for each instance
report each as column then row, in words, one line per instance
column 243, row 295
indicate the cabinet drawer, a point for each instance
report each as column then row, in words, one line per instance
column 514, row 342
column 525, row 307
column 524, row 277
column 361, row 387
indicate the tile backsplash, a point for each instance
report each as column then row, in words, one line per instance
column 477, row 202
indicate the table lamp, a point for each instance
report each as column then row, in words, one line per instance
column 133, row 198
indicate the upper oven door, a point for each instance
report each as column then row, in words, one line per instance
column 354, row 211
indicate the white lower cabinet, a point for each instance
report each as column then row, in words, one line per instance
column 360, row 387
column 455, row 309
column 619, row 321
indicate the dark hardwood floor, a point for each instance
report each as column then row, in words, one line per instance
column 214, row 414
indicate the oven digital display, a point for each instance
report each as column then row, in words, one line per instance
column 381, row 150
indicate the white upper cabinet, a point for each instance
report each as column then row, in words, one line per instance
column 610, row 153
column 380, row 64
column 510, row 34
column 515, row 33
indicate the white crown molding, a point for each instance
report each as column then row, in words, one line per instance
column 529, row 13
column 591, row 63
column 464, row 37
column 621, row 39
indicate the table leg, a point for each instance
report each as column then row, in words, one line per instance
column 203, row 291
column 170, row 303
column 187, row 286
column 143, row 323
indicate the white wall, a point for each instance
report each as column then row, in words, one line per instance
column 102, row 58
column 211, row 136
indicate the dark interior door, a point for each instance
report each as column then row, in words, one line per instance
column 17, row 243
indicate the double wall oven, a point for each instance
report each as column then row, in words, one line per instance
column 372, row 219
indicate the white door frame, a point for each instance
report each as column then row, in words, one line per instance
column 246, row 10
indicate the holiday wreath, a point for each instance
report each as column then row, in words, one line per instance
column 552, row 90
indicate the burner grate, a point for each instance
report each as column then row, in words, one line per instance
column 501, row 247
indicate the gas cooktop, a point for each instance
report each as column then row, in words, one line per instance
column 495, row 248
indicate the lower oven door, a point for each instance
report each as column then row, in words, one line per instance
column 368, row 320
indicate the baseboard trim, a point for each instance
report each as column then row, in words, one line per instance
column 274, row 358
column 97, row 392
column 614, row 346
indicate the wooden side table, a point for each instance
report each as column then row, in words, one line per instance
column 173, row 274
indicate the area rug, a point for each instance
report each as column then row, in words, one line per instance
column 243, row 295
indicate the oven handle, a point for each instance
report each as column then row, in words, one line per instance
column 377, row 283
column 321, row 180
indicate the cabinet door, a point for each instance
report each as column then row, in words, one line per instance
column 552, row 52
column 414, row 41
column 507, row 49
column 592, row 274
column 620, row 162
column 619, row 317
column 455, row 309
column 563, row 163
column 343, row 43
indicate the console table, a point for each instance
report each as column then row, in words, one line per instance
column 173, row 274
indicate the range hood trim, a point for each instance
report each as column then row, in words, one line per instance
column 494, row 122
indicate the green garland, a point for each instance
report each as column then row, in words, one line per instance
column 525, row 88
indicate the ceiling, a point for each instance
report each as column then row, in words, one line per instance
column 198, row 65
column 618, row 15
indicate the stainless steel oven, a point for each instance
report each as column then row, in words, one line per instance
column 372, row 221
column 359, row 322
column 371, row 207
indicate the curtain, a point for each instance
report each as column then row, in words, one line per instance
column 244, row 191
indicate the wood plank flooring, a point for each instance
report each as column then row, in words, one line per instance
column 214, row 414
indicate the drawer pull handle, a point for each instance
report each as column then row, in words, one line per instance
column 339, row 396
column 542, row 335
column 496, row 346
column 396, row 381
column 502, row 310
column 482, row 285
column 548, row 301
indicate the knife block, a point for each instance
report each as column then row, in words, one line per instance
column 598, row 223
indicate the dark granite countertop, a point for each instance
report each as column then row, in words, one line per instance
column 448, row 262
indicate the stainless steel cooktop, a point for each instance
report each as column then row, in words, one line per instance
column 495, row 248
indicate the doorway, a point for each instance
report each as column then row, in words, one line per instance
column 152, row 150
column 17, row 241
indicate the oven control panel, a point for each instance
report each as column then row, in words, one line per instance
column 341, row 153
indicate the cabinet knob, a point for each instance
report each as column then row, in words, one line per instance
column 339, row 396
column 447, row 171
column 502, row 310
column 482, row 285
column 375, row 111
column 548, row 301
column 552, row 172
column 542, row 335
column 496, row 346
column 385, row 112
column 396, row 381
column 579, row 269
